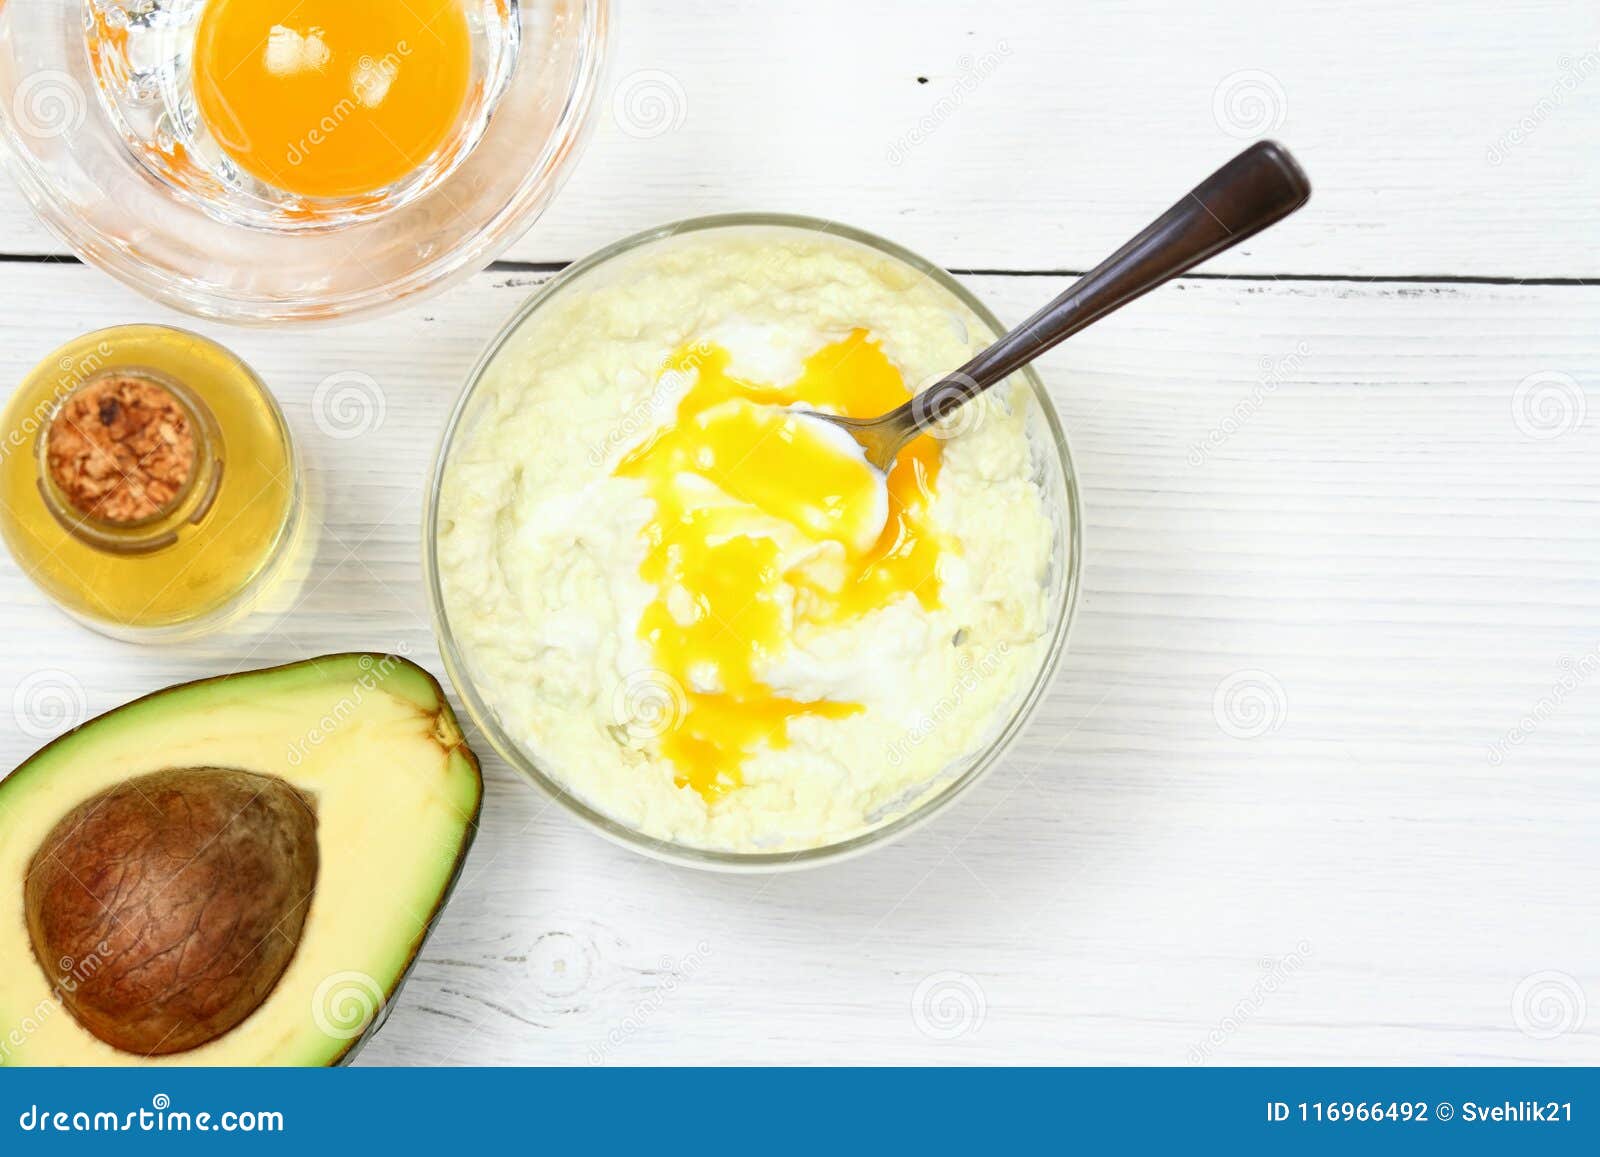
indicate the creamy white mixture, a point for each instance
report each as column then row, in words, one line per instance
column 540, row 545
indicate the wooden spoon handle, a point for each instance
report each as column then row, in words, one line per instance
column 1259, row 187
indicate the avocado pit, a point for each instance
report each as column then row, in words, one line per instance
column 188, row 888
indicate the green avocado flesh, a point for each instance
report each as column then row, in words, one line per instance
column 238, row 871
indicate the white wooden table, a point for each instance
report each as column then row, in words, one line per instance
column 1347, row 479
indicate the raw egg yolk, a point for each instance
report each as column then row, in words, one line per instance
column 331, row 98
column 763, row 519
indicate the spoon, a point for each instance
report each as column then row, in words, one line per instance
column 1259, row 187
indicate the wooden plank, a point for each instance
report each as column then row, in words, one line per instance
column 1442, row 138
column 1390, row 546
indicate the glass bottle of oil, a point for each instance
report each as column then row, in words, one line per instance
column 147, row 482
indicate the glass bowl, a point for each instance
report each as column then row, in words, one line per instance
column 99, row 127
column 1053, row 471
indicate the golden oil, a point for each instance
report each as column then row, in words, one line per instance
column 204, row 553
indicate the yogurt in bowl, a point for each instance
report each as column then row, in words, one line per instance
column 697, row 614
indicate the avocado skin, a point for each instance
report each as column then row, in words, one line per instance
column 432, row 699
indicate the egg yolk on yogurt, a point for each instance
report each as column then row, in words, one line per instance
column 765, row 518
column 331, row 98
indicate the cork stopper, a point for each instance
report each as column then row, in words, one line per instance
column 121, row 449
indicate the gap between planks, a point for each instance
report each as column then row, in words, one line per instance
column 1373, row 279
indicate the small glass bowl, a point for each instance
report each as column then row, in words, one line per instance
column 99, row 129
column 1053, row 471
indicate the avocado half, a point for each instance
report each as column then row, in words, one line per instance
column 237, row 871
